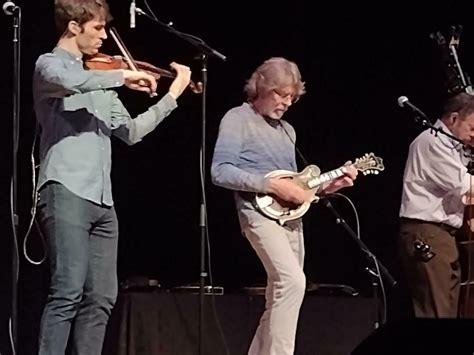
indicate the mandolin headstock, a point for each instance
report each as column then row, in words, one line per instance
column 369, row 164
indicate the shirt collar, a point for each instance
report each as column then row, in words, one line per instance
column 447, row 140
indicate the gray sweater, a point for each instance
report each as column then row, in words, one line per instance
column 248, row 147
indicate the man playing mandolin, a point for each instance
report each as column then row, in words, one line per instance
column 254, row 140
column 78, row 112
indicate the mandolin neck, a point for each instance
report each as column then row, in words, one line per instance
column 326, row 177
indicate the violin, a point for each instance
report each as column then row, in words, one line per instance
column 103, row 61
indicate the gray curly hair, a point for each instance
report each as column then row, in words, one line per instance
column 274, row 73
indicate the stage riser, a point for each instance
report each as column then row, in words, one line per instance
column 167, row 323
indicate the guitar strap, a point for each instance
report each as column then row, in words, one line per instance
column 305, row 162
column 303, row 159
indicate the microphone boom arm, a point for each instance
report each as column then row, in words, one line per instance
column 421, row 117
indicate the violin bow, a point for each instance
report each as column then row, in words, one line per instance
column 196, row 88
column 126, row 54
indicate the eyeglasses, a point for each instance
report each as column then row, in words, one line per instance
column 286, row 97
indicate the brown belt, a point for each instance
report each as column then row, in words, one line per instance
column 446, row 227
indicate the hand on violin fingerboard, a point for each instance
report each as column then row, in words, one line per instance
column 140, row 81
column 182, row 80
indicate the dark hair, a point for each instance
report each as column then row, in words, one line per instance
column 462, row 103
column 80, row 11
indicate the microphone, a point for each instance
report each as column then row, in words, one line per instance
column 9, row 8
column 132, row 14
column 404, row 102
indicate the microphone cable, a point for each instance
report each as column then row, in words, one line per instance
column 378, row 274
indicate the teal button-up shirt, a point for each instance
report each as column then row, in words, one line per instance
column 78, row 113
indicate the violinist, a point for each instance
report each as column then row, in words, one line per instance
column 436, row 186
column 78, row 112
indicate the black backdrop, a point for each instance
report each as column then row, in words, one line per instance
column 356, row 60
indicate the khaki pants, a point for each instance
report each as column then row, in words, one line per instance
column 281, row 250
column 434, row 284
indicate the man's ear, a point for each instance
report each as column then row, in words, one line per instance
column 453, row 117
column 74, row 27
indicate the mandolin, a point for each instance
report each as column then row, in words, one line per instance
column 310, row 178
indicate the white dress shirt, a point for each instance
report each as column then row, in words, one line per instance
column 435, row 179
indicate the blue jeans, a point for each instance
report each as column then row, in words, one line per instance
column 82, row 240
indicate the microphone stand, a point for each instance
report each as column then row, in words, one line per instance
column 375, row 274
column 205, row 51
column 15, row 11
column 422, row 118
